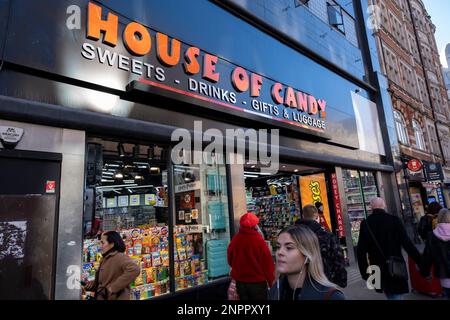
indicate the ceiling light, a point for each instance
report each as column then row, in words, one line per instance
column 118, row 175
column 253, row 167
column 296, row 170
column 139, row 177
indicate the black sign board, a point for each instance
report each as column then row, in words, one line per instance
column 433, row 171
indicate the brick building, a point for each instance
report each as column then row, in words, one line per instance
column 410, row 60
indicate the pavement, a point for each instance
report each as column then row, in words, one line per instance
column 357, row 288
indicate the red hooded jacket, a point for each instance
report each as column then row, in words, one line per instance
column 249, row 258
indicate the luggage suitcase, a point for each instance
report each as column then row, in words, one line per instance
column 422, row 285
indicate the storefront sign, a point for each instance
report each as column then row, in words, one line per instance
column 440, row 197
column 414, row 165
column 188, row 187
column 10, row 136
column 415, row 170
column 313, row 189
column 433, row 171
column 337, row 206
column 186, row 72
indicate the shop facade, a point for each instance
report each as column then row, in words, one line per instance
column 96, row 101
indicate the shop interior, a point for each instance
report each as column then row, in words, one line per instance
column 277, row 199
column 127, row 191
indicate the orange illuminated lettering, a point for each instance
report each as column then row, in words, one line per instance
column 313, row 108
column 276, row 96
column 191, row 66
column 257, row 82
column 137, row 39
column 289, row 99
column 240, row 79
column 302, row 100
column 96, row 25
column 209, row 68
column 169, row 59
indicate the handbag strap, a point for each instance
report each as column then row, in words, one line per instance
column 375, row 240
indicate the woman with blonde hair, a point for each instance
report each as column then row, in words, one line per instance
column 300, row 267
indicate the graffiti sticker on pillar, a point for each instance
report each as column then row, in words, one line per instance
column 50, row 186
column 337, row 205
column 169, row 67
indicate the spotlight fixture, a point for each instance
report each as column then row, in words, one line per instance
column 139, row 177
column 121, row 150
column 118, row 175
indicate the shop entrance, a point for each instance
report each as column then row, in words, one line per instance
column 278, row 199
column 29, row 192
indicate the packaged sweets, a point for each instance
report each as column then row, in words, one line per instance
column 165, row 258
column 182, row 253
column 189, row 252
column 138, row 249
column 156, row 259
column 144, row 276
column 147, row 260
column 149, row 275
column 138, row 281
column 195, row 262
column 177, row 269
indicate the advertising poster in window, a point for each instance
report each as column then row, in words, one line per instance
column 313, row 189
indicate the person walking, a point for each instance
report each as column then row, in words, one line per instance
column 429, row 221
column 323, row 222
column 116, row 271
column 437, row 252
column 331, row 251
column 251, row 262
column 381, row 239
column 300, row 266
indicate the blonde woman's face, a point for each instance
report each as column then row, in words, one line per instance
column 289, row 258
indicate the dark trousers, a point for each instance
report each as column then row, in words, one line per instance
column 252, row 291
column 447, row 293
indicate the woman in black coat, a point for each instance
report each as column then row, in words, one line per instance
column 437, row 252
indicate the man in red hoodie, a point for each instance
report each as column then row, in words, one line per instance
column 251, row 263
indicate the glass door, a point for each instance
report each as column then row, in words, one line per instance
column 360, row 189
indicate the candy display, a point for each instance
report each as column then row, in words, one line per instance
column 149, row 248
column 189, row 271
column 276, row 204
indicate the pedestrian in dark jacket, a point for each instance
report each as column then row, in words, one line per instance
column 426, row 226
column 437, row 252
column 323, row 222
column 116, row 271
column 391, row 236
column 251, row 262
column 300, row 266
column 332, row 254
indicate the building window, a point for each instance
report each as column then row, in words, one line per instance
column 418, row 134
column 335, row 17
column 400, row 125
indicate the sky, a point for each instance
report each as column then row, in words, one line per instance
column 439, row 10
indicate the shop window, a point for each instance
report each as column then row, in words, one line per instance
column 201, row 232
column 400, row 126
column 127, row 191
column 360, row 188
